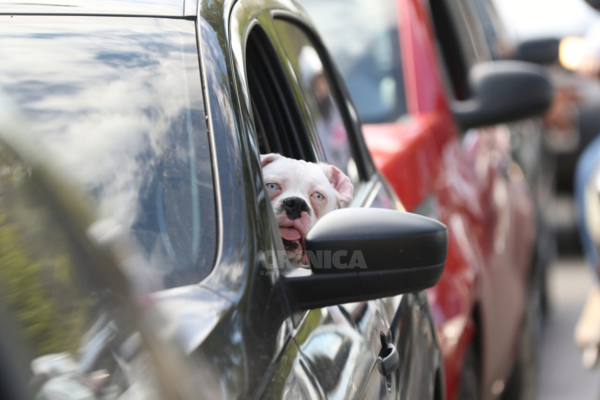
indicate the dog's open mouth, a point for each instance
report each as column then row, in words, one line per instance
column 294, row 244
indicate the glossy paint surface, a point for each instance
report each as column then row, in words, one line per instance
column 471, row 184
column 97, row 101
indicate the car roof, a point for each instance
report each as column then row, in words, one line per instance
column 151, row 8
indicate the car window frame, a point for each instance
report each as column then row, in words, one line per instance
column 351, row 145
column 239, row 40
column 370, row 187
column 369, row 178
column 465, row 15
column 338, row 90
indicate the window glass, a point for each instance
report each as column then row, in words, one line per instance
column 363, row 37
column 488, row 25
column 385, row 200
column 500, row 39
column 65, row 325
column 471, row 33
column 315, row 84
column 118, row 105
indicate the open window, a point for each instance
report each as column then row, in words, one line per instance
column 279, row 125
column 310, row 122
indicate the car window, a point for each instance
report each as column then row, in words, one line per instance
column 65, row 325
column 471, row 33
column 500, row 38
column 363, row 37
column 488, row 25
column 315, row 85
column 117, row 102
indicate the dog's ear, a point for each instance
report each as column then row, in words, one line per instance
column 340, row 182
column 268, row 158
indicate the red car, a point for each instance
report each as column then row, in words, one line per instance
column 424, row 105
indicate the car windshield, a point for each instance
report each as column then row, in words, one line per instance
column 363, row 37
column 117, row 103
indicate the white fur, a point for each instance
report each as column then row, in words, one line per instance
column 304, row 180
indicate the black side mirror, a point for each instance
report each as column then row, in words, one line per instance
column 539, row 51
column 504, row 91
column 363, row 254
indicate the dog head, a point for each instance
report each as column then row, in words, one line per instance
column 301, row 193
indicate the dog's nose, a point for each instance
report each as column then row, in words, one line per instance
column 294, row 206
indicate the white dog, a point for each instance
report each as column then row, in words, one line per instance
column 301, row 193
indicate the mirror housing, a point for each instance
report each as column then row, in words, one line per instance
column 539, row 51
column 363, row 254
column 504, row 91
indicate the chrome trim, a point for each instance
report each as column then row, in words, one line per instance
column 149, row 8
column 380, row 183
column 374, row 192
column 366, row 193
column 392, row 193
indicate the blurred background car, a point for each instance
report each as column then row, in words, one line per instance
column 489, row 185
column 556, row 41
column 160, row 113
column 564, row 35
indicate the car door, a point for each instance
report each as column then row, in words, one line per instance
column 337, row 347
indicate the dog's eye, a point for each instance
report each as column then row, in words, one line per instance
column 318, row 196
column 272, row 186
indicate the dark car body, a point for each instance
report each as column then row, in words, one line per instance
column 100, row 99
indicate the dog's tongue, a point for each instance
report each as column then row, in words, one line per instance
column 290, row 233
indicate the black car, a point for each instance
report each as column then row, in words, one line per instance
column 160, row 110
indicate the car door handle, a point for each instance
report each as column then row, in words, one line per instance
column 388, row 360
